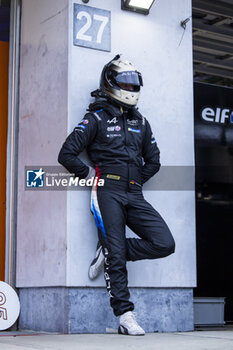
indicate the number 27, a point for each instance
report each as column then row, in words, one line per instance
column 81, row 33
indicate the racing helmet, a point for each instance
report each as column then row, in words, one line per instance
column 121, row 82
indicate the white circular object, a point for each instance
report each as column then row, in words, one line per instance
column 9, row 306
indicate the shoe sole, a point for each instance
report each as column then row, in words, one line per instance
column 124, row 331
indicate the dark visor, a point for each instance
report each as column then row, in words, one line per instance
column 129, row 77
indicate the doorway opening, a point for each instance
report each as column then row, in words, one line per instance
column 214, row 193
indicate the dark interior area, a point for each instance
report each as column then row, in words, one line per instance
column 214, row 197
column 4, row 20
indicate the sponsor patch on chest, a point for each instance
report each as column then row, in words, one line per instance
column 114, row 177
column 132, row 122
column 114, row 128
column 113, row 120
column 113, row 135
column 134, row 130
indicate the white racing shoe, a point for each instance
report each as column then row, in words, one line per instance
column 129, row 326
column 97, row 263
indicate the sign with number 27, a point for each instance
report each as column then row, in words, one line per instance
column 92, row 27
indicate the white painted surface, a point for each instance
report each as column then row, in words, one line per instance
column 152, row 43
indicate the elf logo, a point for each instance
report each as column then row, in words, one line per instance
column 217, row 115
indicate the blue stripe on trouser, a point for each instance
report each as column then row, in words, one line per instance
column 98, row 218
column 100, row 225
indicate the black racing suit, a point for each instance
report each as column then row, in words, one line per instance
column 124, row 151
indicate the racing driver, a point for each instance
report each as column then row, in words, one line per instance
column 124, row 153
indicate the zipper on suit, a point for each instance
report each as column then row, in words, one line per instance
column 126, row 142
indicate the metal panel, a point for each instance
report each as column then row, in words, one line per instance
column 212, row 71
column 214, row 7
column 12, row 144
column 213, row 37
column 220, row 48
column 222, row 33
column 4, row 60
column 208, row 59
column 209, row 311
column 92, row 27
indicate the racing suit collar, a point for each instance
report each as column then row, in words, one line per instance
column 114, row 110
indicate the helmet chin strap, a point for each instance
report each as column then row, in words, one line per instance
column 119, row 104
column 98, row 93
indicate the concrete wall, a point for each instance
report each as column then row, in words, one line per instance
column 86, row 310
column 41, row 223
column 56, row 235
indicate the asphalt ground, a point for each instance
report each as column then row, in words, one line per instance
column 198, row 340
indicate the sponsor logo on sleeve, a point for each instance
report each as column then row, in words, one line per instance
column 81, row 126
column 152, row 139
